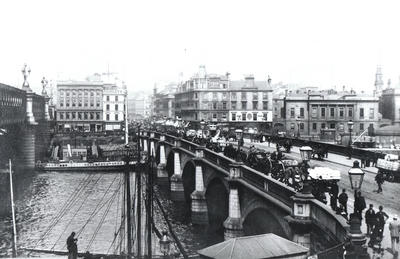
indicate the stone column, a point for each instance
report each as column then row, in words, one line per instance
column 233, row 225
column 145, row 144
column 162, row 174
column 152, row 149
column 30, row 119
column 177, row 192
column 27, row 149
column 300, row 218
column 199, row 204
column 46, row 108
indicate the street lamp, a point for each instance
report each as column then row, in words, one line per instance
column 165, row 244
column 202, row 125
column 350, row 125
column 305, row 152
column 356, row 176
column 298, row 127
column 239, row 137
column 356, row 248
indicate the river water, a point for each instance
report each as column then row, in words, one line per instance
column 50, row 205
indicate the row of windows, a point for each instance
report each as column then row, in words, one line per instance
column 115, row 99
column 332, row 112
column 79, row 115
column 79, row 104
column 324, row 126
column 116, row 117
column 84, row 92
column 223, row 106
column 234, row 95
column 115, row 107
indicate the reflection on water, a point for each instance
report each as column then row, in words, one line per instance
column 86, row 201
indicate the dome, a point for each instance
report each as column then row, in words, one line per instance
column 388, row 131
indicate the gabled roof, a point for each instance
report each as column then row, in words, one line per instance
column 261, row 246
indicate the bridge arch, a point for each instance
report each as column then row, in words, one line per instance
column 170, row 163
column 157, row 155
column 217, row 197
column 261, row 218
column 189, row 179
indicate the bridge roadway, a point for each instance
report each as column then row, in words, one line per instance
column 243, row 199
column 388, row 199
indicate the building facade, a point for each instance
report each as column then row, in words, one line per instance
column 114, row 105
column 138, row 106
column 217, row 99
column 325, row 114
column 390, row 105
column 79, row 106
column 164, row 102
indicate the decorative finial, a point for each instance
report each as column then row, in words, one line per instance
column 26, row 71
column 269, row 80
column 44, row 85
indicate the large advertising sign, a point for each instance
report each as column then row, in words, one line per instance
column 254, row 116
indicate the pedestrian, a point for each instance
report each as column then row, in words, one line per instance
column 380, row 220
column 72, row 246
column 269, row 141
column 379, row 181
column 359, row 205
column 394, row 228
column 362, row 162
column 343, row 198
column 334, row 192
column 370, row 219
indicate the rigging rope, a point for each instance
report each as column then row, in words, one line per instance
column 97, row 208
column 65, row 207
column 104, row 216
column 76, row 211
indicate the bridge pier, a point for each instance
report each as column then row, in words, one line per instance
column 233, row 225
column 300, row 218
column 27, row 149
column 162, row 174
column 177, row 190
column 199, row 204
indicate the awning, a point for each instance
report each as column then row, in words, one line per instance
column 257, row 247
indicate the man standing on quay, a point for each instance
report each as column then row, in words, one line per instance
column 394, row 228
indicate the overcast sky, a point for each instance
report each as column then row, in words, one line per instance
column 318, row 43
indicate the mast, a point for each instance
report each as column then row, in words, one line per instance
column 126, row 118
column 128, row 206
column 139, row 201
column 149, row 204
column 13, row 212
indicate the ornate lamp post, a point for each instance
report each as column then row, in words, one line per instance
column 202, row 126
column 165, row 244
column 239, row 136
column 350, row 124
column 356, row 249
column 298, row 127
column 305, row 152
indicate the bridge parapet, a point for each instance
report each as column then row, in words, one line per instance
column 333, row 226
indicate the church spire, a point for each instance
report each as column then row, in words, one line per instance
column 378, row 80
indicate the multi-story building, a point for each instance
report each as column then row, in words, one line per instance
column 114, row 105
column 216, row 99
column 79, row 106
column 138, row 106
column 390, row 105
column 164, row 102
column 325, row 114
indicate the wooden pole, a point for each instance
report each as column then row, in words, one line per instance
column 13, row 212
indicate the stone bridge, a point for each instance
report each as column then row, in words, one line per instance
column 231, row 196
column 24, row 125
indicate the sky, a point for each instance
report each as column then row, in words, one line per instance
column 310, row 43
